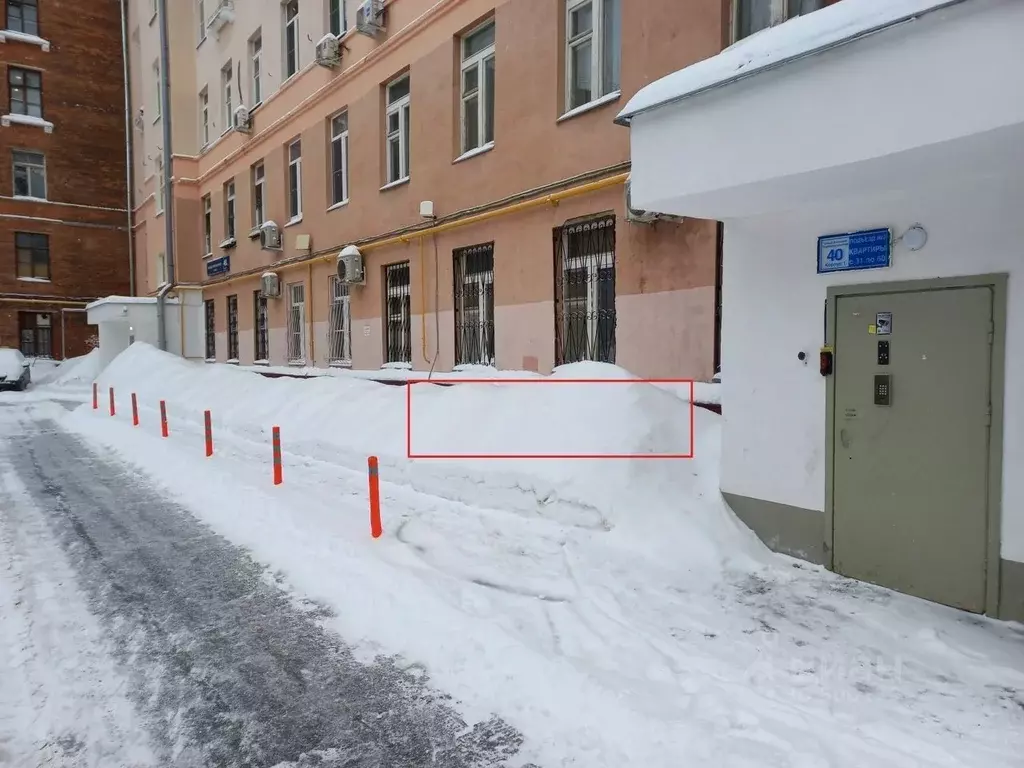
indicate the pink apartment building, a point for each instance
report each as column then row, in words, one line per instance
column 465, row 148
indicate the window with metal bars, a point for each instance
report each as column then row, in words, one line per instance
column 585, row 291
column 296, row 322
column 397, row 313
column 473, row 292
column 233, row 328
column 211, row 335
column 340, row 329
column 36, row 334
column 260, row 332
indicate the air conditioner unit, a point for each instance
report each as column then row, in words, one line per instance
column 637, row 215
column 328, row 51
column 223, row 14
column 241, row 120
column 350, row 266
column 270, row 285
column 369, row 17
column 270, row 236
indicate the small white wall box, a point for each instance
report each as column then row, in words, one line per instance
column 427, row 209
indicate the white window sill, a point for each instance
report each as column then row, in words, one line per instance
column 336, row 206
column 340, row 364
column 232, row 361
column 294, row 220
column 159, row 213
column 211, row 360
column 30, row 198
column 34, row 279
column 584, row 108
column 393, row 184
column 38, row 122
column 207, row 256
column 152, row 18
column 474, row 152
column 261, row 362
column 297, row 363
column 254, row 233
column 21, row 37
column 228, row 243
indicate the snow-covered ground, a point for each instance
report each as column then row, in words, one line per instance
column 614, row 612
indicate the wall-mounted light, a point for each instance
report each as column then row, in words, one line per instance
column 915, row 238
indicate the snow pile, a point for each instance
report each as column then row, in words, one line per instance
column 613, row 611
column 75, row 371
column 796, row 37
column 346, row 419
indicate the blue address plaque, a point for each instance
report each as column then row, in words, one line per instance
column 868, row 249
column 218, row 266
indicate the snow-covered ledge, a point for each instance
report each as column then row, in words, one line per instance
column 46, row 125
column 21, row 37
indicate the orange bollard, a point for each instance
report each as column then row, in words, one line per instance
column 376, row 530
column 135, row 410
column 209, row 433
column 163, row 418
column 278, row 473
column 95, row 396
column 113, row 411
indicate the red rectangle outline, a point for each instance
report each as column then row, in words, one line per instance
column 448, row 382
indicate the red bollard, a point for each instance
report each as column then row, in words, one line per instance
column 376, row 530
column 113, row 411
column 278, row 474
column 209, row 433
column 163, row 418
column 95, row 396
column 135, row 410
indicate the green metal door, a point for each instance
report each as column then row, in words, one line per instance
column 910, row 454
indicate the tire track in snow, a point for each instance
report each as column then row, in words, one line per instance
column 226, row 669
column 62, row 699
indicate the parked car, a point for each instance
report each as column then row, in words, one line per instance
column 14, row 370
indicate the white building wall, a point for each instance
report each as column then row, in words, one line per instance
column 774, row 436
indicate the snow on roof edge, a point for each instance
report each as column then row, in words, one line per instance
column 127, row 300
column 801, row 36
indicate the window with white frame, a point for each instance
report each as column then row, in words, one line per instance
column 339, row 159
column 160, row 185
column 207, row 225
column 340, row 329
column 259, row 211
column 256, row 68
column 226, row 97
column 291, row 38
column 478, row 88
column 296, row 322
column 752, row 16
column 29, row 174
column 337, row 20
column 157, row 91
column 201, row 19
column 295, row 180
column 204, row 116
column 229, row 210
column 397, row 117
column 593, row 50
column 23, row 16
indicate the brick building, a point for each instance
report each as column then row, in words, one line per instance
column 63, row 186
